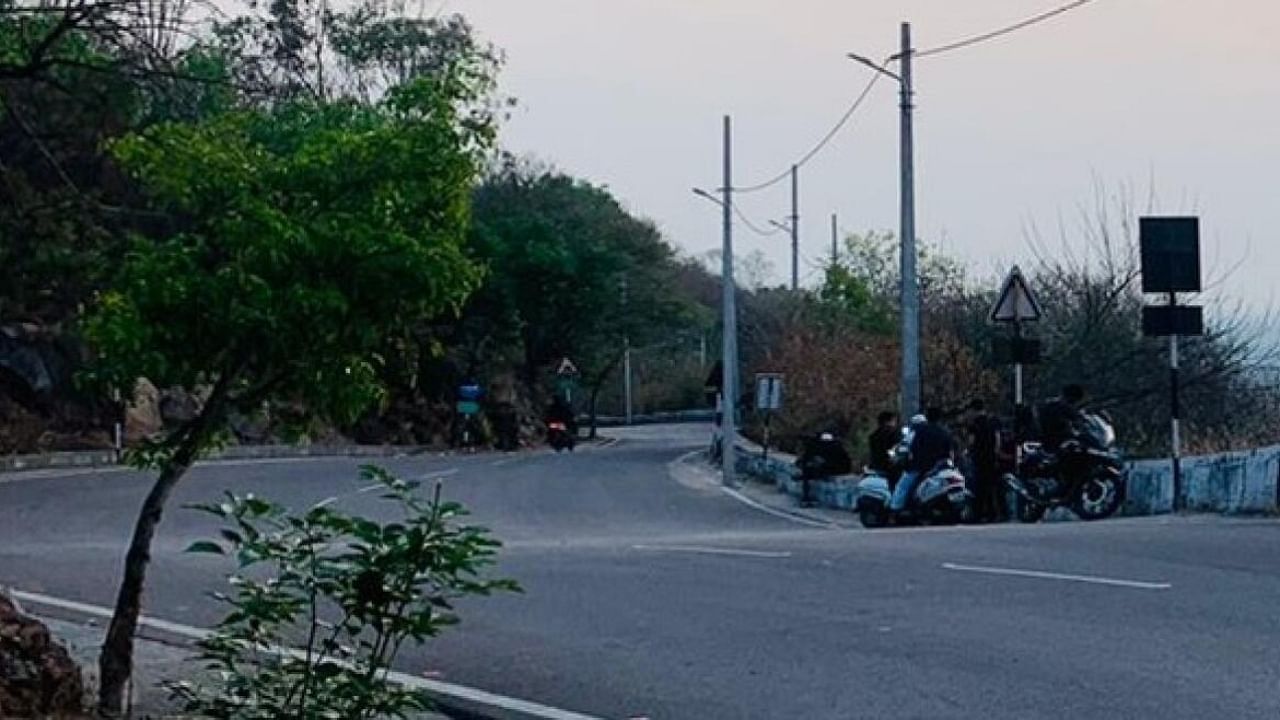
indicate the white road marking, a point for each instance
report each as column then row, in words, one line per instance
column 712, row 551
column 506, row 706
column 1090, row 579
column 735, row 494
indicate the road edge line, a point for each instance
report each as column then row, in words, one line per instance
column 448, row 695
column 795, row 517
column 1064, row 577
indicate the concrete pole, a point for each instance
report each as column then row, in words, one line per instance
column 795, row 228
column 626, row 356
column 1175, row 412
column 626, row 370
column 911, row 390
column 835, row 242
column 730, row 320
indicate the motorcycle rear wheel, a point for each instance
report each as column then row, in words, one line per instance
column 1099, row 498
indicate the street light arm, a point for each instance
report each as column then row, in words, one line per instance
column 708, row 196
column 874, row 65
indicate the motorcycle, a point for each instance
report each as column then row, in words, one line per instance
column 941, row 497
column 1087, row 475
column 559, row 437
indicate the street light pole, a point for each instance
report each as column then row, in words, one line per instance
column 910, row 284
column 835, row 242
column 730, row 346
column 911, row 392
column 795, row 228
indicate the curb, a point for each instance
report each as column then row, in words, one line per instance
column 107, row 458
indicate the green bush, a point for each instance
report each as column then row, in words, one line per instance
column 323, row 601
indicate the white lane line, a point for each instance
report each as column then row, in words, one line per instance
column 699, row 550
column 774, row 512
column 1090, row 579
column 507, row 706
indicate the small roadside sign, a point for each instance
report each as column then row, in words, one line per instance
column 468, row 407
column 768, row 391
column 567, row 368
column 1017, row 304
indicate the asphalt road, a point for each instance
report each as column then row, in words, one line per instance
column 650, row 596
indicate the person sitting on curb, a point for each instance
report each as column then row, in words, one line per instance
column 823, row 457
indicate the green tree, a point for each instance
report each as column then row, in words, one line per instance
column 571, row 272
column 313, row 233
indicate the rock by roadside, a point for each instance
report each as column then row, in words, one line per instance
column 156, row 661
column 38, row 677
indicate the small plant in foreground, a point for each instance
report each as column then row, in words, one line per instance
column 323, row 602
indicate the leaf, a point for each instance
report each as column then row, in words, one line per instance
column 206, row 546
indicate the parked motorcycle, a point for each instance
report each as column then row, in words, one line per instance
column 940, row 498
column 559, row 437
column 1087, row 474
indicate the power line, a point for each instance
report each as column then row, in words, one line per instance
column 752, row 226
column 1035, row 19
column 844, row 119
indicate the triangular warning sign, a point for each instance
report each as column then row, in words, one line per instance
column 1016, row 303
column 567, row 367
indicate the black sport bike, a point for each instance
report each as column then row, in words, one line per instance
column 1087, row 474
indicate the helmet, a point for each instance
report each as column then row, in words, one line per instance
column 826, row 437
column 917, row 420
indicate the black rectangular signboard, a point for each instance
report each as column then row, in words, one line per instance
column 1170, row 248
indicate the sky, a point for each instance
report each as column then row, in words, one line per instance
column 1176, row 102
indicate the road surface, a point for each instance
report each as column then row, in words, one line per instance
column 657, row 597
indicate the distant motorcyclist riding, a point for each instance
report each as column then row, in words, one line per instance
column 562, row 426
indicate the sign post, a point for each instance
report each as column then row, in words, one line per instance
column 566, row 379
column 768, row 400
column 1015, row 306
column 1170, row 251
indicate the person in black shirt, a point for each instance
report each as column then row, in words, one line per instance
column 1060, row 418
column 930, row 445
column 881, row 443
column 824, row 457
column 984, row 453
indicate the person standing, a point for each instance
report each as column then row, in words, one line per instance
column 984, row 455
column 881, row 443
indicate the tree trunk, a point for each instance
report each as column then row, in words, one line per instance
column 595, row 392
column 115, row 663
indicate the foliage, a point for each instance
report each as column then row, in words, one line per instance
column 571, row 273
column 306, row 248
column 357, row 590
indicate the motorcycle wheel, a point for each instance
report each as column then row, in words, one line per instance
column 872, row 518
column 1029, row 512
column 1098, row 498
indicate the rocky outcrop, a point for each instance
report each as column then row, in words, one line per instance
column 142, row 418
column 37, row 676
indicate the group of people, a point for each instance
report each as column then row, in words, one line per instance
column 988, row 445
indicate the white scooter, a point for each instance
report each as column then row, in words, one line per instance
column 940, row 497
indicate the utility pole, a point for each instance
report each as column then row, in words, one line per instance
column 795, row 228
column 910, row 285
column 626, row 357
column 835, row 242
column 729, row 378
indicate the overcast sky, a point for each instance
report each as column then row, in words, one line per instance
column 629, row 93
